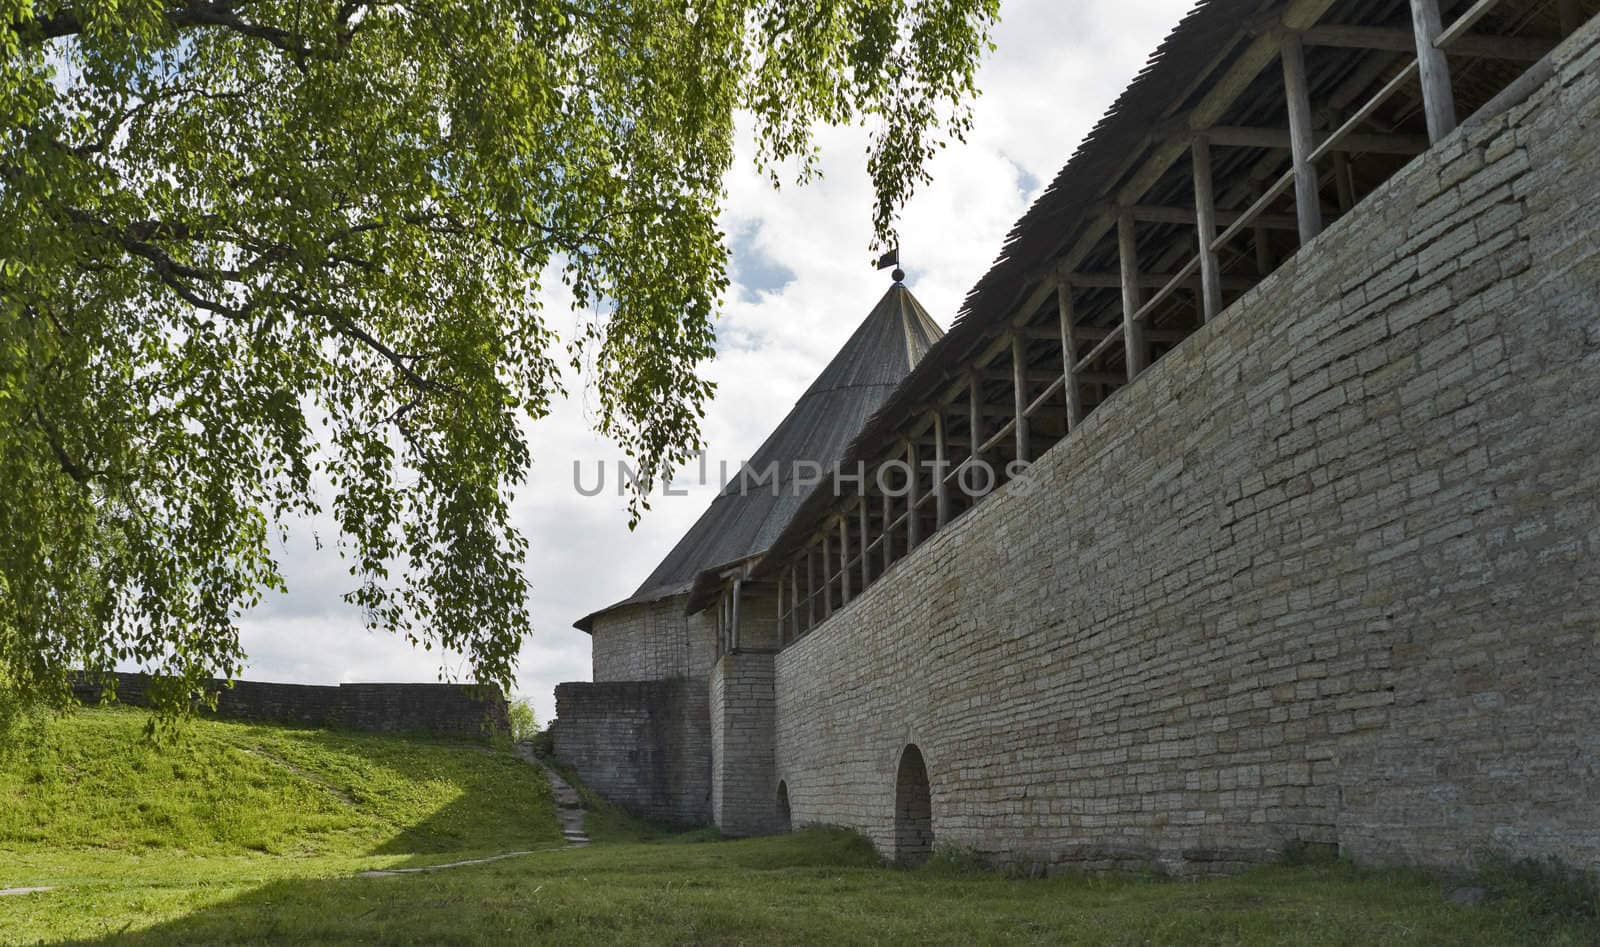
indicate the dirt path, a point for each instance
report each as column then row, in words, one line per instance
column 569, row 805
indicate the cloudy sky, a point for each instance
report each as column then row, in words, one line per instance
column 802, row 282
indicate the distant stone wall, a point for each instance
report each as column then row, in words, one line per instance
column 645, row 745
column 653, row 641
column 440, row 709
column 1326, row 573
column 744, row 792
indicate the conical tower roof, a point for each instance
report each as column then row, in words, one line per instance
column 746, row 516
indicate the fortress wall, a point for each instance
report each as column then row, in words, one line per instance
column 442, row 709
column 743, row 791
column 1325, row 574
column 653, row 641
column 645, row 745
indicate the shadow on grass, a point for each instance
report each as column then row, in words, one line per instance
column 497, row 802
column 633, row 893
column 828, row 887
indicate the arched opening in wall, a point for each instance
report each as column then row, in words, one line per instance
column 913, row 809
column 784, row 824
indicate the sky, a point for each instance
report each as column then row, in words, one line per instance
column 802, row 281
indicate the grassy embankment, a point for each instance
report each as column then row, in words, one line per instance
column 251, row 833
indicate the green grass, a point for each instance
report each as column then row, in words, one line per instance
column 252, row 834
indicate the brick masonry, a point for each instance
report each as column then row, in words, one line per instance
column 653, row 641
column 440, row 709
column 743, row 790
column 1324, row 574
column 645, row 745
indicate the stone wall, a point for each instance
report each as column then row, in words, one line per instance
column 645, row 745
column 653, row 641
column 1326, row 573
column 440, row 709
column 744, row 794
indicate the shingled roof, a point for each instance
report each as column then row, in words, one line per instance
column 746, row 516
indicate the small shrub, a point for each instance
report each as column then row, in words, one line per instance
column 1545, row 887
column 954, row 860
column 524, row 722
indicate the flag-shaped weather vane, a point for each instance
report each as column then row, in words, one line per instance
column 892, row 258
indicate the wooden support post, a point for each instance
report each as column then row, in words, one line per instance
column 913, row 530
column 1344, row 182
column 888, row 531
column 1307, row 201
column 866, row 542
column 844, row 561
column 1069, row 352
column 1266, row 262
column 1132, row 330
column 738, row 586
column 778, row 620
column 1205, row 215
column 941, row 493
column 811, row 588
column 1438, row 99
column 975, row 416
column 827, row 577
column 1570, row 16
column 794, row 601
column 1019, row 391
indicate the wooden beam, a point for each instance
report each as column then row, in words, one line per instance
column 1307, row 199
column 1149, row 213
column 1438, row 99
column 888, row 531
column 1069, row 352
column 1205, row 211
column 811, row 589
column 999, row 435
column 844, row 561
column 941, row 495
column 1134, row 347
column 866, row 540
column 777, row 619
column 1449, row 36
column 1033, row 376
column 1099, row 349
column 1518, row 48
column 1082, row 333
column 793, row 631
column 1149, row 162
column 974, row 415
column 912, row 519
column 1344, row 182
column 1019, row 391
column 1238, row 136
column 1144, row 281
column 1160, row 151
column 827, row 577
column 1241, row 72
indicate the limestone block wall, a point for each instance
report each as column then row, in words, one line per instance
column 645, row 745
column 758, row 619
column 1325, row 573
column 653, row 641
column 440, row 709
column 744, row 792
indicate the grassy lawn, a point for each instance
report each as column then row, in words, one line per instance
column 252, row 834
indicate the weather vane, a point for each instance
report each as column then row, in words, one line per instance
column 892, row 258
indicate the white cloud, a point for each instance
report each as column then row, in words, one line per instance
column 809, row 283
